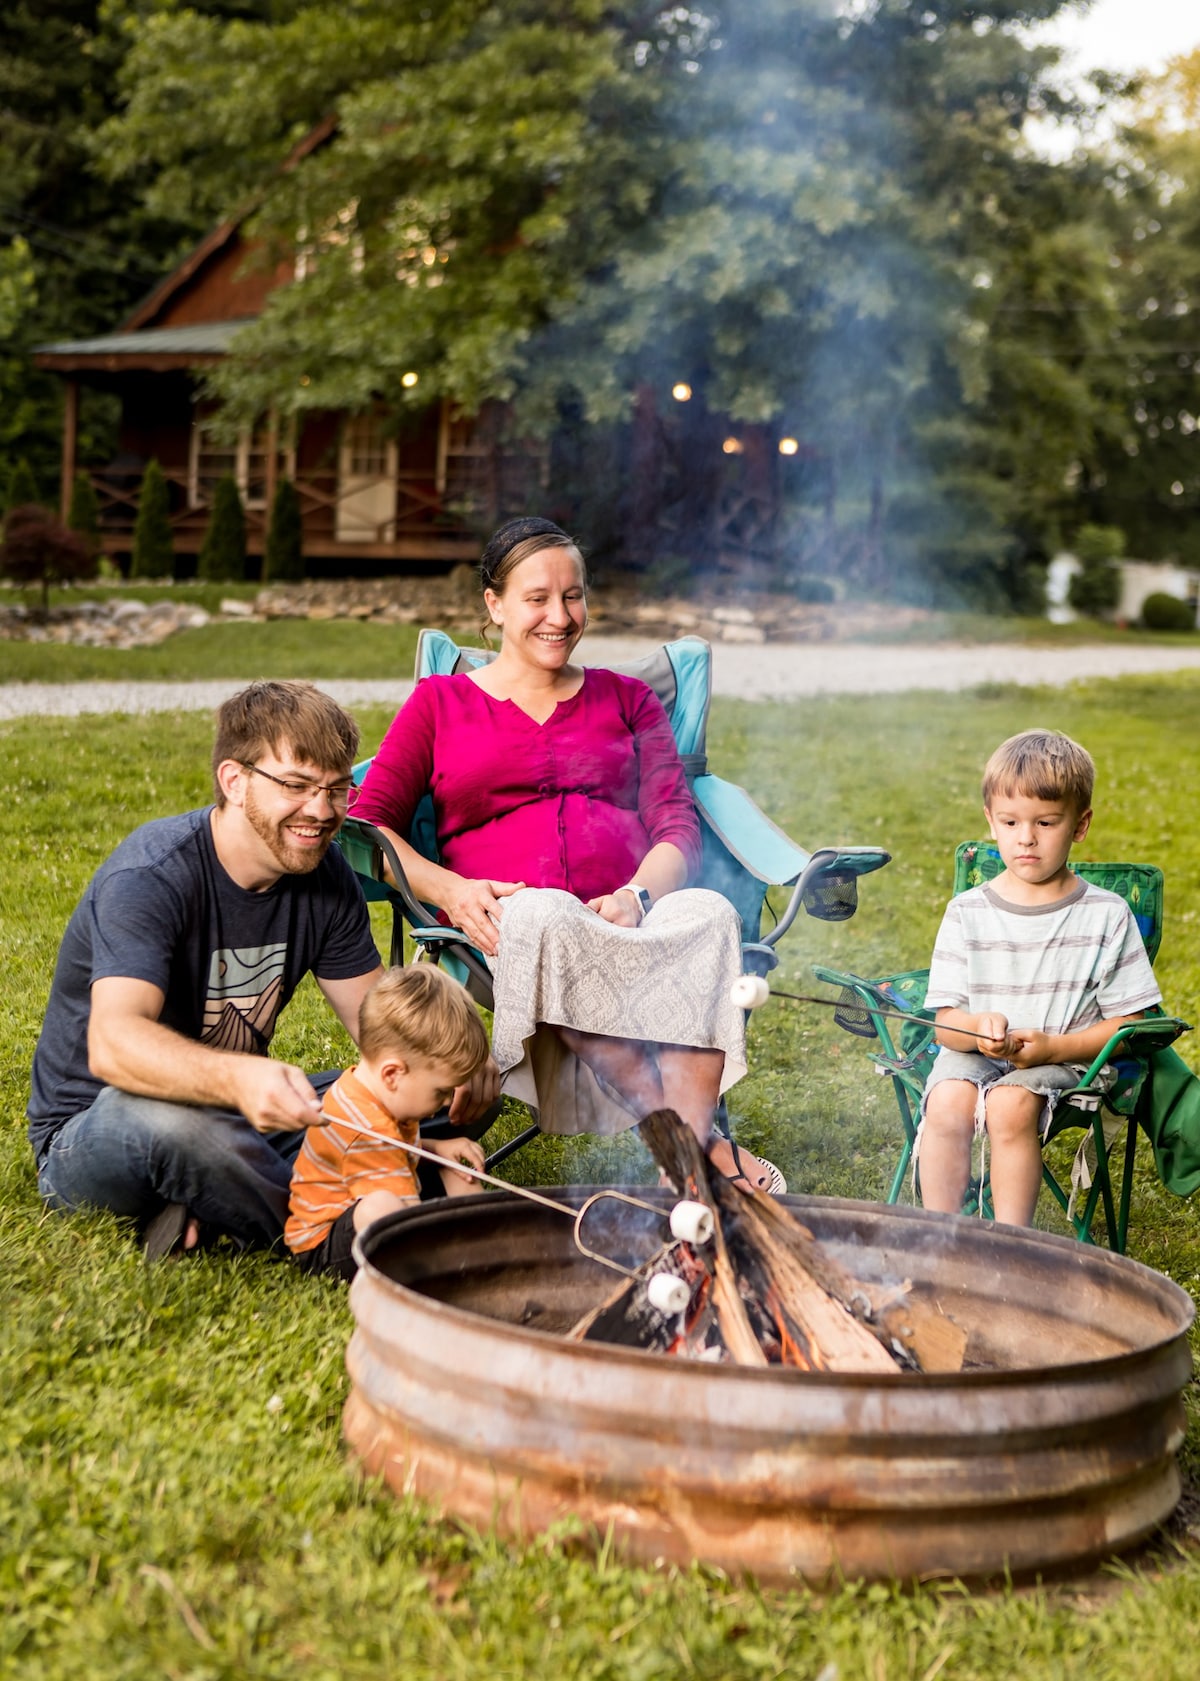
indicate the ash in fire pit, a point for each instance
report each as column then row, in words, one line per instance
column 1054, row 1444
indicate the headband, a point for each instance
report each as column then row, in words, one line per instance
column 502, row 542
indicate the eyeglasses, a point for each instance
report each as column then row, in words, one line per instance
column 299, row 792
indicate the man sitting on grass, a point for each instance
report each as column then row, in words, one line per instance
column 152, row 1091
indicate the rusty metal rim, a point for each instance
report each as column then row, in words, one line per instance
column 1157, row 1284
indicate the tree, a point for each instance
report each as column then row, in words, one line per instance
column 283, row 556
column 38, row 548
column 153, row 553
column 223, row 551
column 821, row 221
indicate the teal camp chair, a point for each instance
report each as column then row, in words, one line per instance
column 743, row 852
column 907, row 1050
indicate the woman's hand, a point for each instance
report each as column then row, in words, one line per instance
column 474, row 906
column 621, row 908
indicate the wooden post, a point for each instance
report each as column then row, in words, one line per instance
column 69, row 443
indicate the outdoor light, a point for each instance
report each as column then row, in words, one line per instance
column 732, row 446
column 788, row 446
column 409, row 380
column 681, row 392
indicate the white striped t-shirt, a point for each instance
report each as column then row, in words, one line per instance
column 1053, row 968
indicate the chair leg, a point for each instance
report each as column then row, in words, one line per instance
column 511, row 1148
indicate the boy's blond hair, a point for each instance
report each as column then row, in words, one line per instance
column 1041, row 765
column 419, row 1011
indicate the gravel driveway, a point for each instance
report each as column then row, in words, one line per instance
column 771, row 671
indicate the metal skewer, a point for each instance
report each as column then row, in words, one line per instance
column 751, row 997
column 576, row 1216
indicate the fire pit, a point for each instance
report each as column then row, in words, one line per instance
column 1054, row 1444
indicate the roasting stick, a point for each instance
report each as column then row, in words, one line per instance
column 690, row 1222
column 750, row 991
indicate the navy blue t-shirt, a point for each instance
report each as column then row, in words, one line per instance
column 163, row 909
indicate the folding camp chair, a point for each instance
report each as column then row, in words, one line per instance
column 907, row 1050
column 743, row 852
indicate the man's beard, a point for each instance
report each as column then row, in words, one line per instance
column 294, row 860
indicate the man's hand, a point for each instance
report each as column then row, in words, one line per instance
column 474, row 906
column 472, row 1101
column 275, row 1096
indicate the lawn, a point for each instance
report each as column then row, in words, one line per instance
column 163, row 1515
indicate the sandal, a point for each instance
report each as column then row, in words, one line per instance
column 776, row 1185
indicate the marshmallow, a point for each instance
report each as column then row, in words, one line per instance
column 668, row 1293
column 692, row 1222
column 749, row 991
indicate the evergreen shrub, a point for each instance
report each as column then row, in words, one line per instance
column 223, row 552
column 1096, row 588
column 153, row 554
column 1167, row 612
column 283, row 557
column 21, row 490
column 83, row 515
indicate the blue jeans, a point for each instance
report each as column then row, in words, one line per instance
column 133, row 1155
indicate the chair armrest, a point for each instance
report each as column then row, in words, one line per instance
column 823, row 881
column 367, row 849
column 1137, row 1038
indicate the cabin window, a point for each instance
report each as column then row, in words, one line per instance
column 248, row 459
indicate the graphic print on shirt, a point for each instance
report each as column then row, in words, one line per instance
column 244, row 989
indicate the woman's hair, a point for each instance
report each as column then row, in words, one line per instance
column 419, row 1011
column 514, row 542
column 1041, row 765
column 272, row 716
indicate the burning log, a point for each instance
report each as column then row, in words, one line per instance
column 765, row 1291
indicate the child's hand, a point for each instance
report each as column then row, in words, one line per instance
column 1031, row 1049
column 992, row 1036
column 464, row 1150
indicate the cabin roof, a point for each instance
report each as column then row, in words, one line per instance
column 155, row 349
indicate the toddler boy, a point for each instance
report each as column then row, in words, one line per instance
column 419, row 1038
column 1041, row 966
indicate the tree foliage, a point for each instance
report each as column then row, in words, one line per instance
column 153, row 552
column 826, row 222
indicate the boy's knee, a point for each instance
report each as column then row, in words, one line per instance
column 950, row 1106
column 1012, row 1112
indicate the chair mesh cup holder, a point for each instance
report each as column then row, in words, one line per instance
column 853, row 1015
column 832, row 897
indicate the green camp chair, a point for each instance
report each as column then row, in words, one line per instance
column 743, row 852
column 906, row 1051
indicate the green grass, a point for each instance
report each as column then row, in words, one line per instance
column 230, row 648
column 344, row 648
column 157, row 1520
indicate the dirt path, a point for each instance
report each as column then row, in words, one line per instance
column 772, row 671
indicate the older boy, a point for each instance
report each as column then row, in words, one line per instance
column 1039, row 965
column 152, row 1091
column 419, row 1037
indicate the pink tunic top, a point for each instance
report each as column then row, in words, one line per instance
column 574, row 803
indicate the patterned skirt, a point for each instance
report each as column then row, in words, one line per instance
column 665, row 982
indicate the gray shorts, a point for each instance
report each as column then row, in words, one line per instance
column 1049, row 1080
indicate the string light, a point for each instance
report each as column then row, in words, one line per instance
column 682, row 392
column 788, row 446
column 733, row 446
column 409, row 380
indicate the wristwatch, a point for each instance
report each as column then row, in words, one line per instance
column 641, row 895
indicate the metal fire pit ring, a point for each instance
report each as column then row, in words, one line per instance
column 1056, row 1445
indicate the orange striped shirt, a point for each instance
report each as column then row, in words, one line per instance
column 337, row 1165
